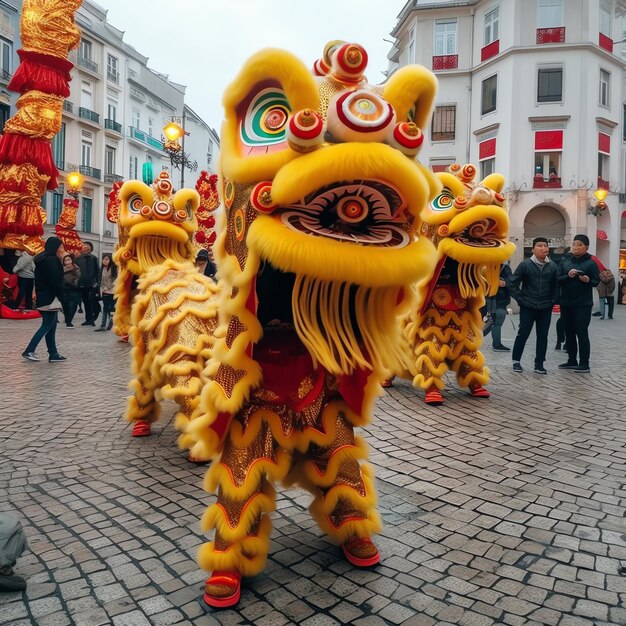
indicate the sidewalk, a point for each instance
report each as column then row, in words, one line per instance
column 509, row 510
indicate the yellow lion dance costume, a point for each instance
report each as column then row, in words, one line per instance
column 174, row 311
column 317, row 257
column 469, row 225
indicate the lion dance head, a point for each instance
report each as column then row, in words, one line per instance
column 322, row 195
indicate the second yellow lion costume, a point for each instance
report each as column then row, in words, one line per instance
column 469, row 225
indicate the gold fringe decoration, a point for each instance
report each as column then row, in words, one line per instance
column 476, row 279
column 448, row 340
column 326, row 315
column 154, row 250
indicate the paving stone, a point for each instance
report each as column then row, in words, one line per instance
column 503, row 513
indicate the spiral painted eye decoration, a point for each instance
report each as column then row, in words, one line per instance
column 135, row 204
column 443, row 202
column 265, row 121
column 352, row 209
column 360, row 110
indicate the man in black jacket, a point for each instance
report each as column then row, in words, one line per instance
column 534, row 287
column 48, row 286
column 578, row 275
column 88, row 283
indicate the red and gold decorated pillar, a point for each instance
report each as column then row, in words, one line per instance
column 27, row 167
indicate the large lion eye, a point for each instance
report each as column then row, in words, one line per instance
column 135, row 203
column 265, row 121
column 443, row 202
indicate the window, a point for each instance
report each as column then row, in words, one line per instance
column 444, row 120
column 112, row 112
column 57, row 204
column 132, row 170
column 605, row 21
column 6, row 52
column 492, row 26
column 488, row 166
column 549, row 13
column 445, row 37
column 85, row 221
column 150, row 127
column 85, row 49
column 605, row 84
column 112, row 68
column 550, row 84
column 412, row 46
column 603, row 166
column 548, row 166
column 489, row 94
column 109, row 160
column 58, row 148
column 86, row 92
column 85, row 154
column 135, row 118
column 5, row 114
column 624, row 121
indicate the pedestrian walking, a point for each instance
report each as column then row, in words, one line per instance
column 534, row 287
column 606, row 289
column 578, row 275
column 71, row 293
column 49, row 291
column 88, row 283
column 25, row 270
column 108, row 274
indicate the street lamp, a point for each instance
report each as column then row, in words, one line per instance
column 174, row 145
column 74, row 184
column 600, row 205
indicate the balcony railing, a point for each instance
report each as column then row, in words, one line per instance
column 113, row 125
column 89, row 115
column 114, row 77
column 135, row 133
column 113, row 178
column 88, row 64
column 446, row 62
column 551, row 35
column 86, row 170
column 68, row 106
column 603, row 184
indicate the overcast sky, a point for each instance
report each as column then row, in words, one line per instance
column 203, row 43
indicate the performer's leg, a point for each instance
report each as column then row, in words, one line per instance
column 345, row 498
column 249, row 461
column 142, row 408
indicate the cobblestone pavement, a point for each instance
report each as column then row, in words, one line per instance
column 502, row 511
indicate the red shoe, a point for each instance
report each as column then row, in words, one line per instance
column 361, row 552
column 225, row 589
column 141, row 429
column 433, row 396
column 478, row 392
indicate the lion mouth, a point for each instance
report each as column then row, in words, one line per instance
column 365, row 212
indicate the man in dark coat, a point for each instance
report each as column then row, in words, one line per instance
column 534, row 287
column 88, row 283
column 578, row 275
column 48, row 286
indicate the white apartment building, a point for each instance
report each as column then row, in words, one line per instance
column 533, row 89
column 112, row 125
column 9, row 45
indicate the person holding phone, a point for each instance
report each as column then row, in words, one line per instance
column 578, row 275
